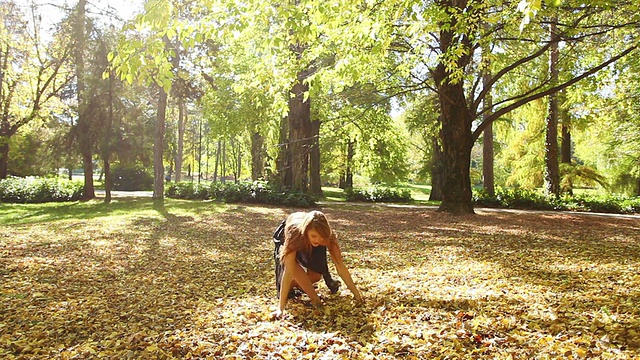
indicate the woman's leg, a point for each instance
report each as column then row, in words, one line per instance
column 314, row 277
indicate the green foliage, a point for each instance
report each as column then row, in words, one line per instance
column 379, row 194
column 534, row 200
column 256, row 192
column 39, row 190
column 131, row 178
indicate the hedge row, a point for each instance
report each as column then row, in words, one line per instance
column 39, row 190
column 534, row 200
column 379, row 194
column 246, row 192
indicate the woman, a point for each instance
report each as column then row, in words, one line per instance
column 302, row 233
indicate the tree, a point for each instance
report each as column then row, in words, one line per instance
column 457, row 30
column 32, row 74
column 552, row 171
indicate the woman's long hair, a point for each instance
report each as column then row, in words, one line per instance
column 297, row 227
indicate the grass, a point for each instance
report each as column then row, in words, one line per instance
column 183, row 279
column 419, row 193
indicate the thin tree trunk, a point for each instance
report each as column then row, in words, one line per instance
column 314, row 160
column 257, row 156
column 239, row 167
column 158, row 147
column 487, row 139
column 552, row 173
column 108, row 182
column 199, row 150
column 84, row 127
column 179, row 156
column 224, row 161
column 348, row 177
column 566, row 132
column 283, row 161
column 215, row 170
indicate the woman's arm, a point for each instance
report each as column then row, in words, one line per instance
column 336, row 256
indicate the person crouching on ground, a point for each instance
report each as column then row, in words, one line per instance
column 305, row 235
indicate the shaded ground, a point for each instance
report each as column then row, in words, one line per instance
column 196, row 281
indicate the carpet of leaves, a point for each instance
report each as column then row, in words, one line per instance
column 503, row 285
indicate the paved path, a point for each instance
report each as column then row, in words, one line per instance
column 116, row 193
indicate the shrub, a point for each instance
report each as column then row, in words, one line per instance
column 246, row 192
column 532, row 200
column 134, row 178
column 378, row 194
column 39, row 190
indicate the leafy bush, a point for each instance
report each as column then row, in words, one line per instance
column 378, row 194
column 39, row 190
column 131, row 178
column 532, row 200
column 246, row 192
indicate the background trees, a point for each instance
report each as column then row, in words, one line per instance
column 223, row 77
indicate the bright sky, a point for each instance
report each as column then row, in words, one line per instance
column 107, row 11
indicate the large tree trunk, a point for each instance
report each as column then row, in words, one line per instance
column 437, row 170
column 552, row 173
column 456, row 146
column 457, row 138
column 299, row 130
column 314, row 160
column 158, row 147
column 179, row 156
column 257, row 156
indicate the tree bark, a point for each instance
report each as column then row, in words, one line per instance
column 566, row 132
column 108, row 182
column 437, row 170
column 257, row 156
column 180, row 154
column 223, row 160
column 4, row 157
column 158, row 147
column 346, row 182
column 487, row 139
column 314, row 160
column 283, row 161
column 457, row 138
column 84, row 124
column 299, row 130
column 456, row 145
column 552, row 173
column 218, row 152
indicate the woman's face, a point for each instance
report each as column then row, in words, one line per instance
column 314, row 237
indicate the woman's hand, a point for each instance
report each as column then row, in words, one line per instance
column 277, row 315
